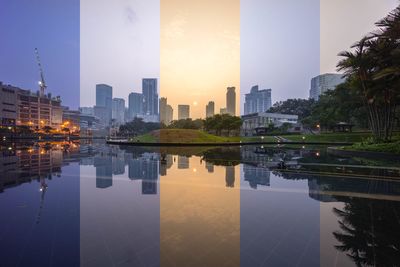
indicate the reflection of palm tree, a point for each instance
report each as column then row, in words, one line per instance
column 370, row 233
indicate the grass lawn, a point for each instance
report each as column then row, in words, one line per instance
column 329, row 137
column 194, row 136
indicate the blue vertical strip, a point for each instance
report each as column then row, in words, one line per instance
column 280, row 50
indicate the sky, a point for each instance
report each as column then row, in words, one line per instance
column 200, row 53
column 120, row 45
column 196, row 47
column 284, row 43
column 53, row 27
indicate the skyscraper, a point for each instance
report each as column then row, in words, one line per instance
column 150, row 96
column 257, row 100
column 166, row 111
column 135, row 105
column 169, row 114
column 163, row 109
column 118, row 110
column 104, row 103
column 231, row 101
column 183, row 112
column 323, row 83
column 210, row 109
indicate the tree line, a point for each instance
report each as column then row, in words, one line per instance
column 217, row 124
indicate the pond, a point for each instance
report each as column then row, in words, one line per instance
column 92, row 204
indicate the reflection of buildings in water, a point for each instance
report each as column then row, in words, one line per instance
column 210, row 167
column 314, row 191
column 103, row 165
column 19, row 165
column 145, row 168
column 118, row 163
column 256, row 175
column 165, row 163
column 230, row 176
column 183, row 162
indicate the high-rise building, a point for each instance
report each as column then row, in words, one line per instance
column 163, row 109
column 104, row 100
column 118, row 110
column 223, row 111
column 169, row 114
column 135, row 105
column 150, row 96
column 257, row 100
column 166, row 111
column 322, row 83
column 183, row 112
column 210, row 109
column 231, row 101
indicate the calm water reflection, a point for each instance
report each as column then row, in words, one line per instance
column 65, row 204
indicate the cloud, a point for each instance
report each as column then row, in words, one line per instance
column 130, row 14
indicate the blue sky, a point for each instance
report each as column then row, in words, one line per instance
column 53, row 27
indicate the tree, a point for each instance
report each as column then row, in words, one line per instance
column 137, row 127
column 374, row 68
column 299, row 107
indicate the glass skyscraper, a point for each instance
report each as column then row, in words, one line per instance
column 150, row 96
column 104, row 103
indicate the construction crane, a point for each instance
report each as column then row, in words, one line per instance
column 42, row 84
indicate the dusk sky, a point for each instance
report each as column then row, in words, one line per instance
column 120, row 45
column 52, row 27
column 200, row 53
column 192, row 44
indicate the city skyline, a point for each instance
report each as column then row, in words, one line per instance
column 81, row 39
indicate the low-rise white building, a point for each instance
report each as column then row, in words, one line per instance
column 252, row 123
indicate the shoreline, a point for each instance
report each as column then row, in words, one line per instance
column 129, row 143
column 337, row 151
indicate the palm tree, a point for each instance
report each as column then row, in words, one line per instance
column 373, row 68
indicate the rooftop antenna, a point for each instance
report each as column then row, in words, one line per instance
column 42, row 84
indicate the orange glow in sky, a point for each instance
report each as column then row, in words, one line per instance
column 199, row 53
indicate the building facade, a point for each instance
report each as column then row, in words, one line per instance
column 8, row 106
column 257, row 100
column 150, row 96
column 323, row 83
column 183, row 112
column 135, row 105
column 231, row 101
column 254, row 121
column 104, row 103
column 22, row 107
column 118, row 110
column 210, row 109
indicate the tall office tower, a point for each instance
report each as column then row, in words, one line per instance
column 257, row 100
column 118, row 110
column 163, row 109
column 183, row 112
column 150, row 97
column 104, row 103
column 210, row 109
column 223, row 111
column 135, row 105
column 231, row 101
column 169, row 114
column 323, row 83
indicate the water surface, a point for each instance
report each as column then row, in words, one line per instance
column 71, row 204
